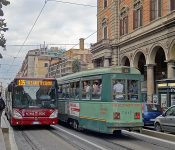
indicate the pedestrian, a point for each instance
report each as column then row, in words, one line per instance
column 2, row 106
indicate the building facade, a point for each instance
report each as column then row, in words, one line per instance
column 137, row 33
column 66, row 65
column 36, row 63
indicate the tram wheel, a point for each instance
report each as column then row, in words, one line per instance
column 75, row 125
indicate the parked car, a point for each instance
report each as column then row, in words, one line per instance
column 166, row 121
column 150, row 112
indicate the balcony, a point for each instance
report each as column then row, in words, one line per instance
column 103, row 44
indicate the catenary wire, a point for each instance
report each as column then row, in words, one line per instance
column 79, row 4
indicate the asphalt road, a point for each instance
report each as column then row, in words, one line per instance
column 63, row 138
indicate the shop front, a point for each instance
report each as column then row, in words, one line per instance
column 166, row 92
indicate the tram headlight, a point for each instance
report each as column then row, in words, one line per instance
column 16, row 114
column 54, row 114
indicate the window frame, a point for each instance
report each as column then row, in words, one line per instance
column 124, row 26
column 172, row 5
column 105, row 4
column 105, row 29
column 126, row 93
column 46, row 65
column 137, row 15
column 124, row 21
column 155, row 9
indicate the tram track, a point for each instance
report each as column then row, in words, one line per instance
column 29, row 141
column 67, row 140
column 108, row 144
column 127, row 141
column 85, row 140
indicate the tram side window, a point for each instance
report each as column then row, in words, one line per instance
column 60, row 91
column 74, row 90
column 77, row 90
column 65, row 91
column 96, row 89
column 86, row 92
column 133, row 90
column 118, row 89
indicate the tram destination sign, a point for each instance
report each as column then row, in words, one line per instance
column 34, row 82
column 121, row 70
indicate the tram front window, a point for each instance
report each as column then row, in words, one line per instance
column 118, row 90
column 34, row 96
column 121, row 93
column 133, row 90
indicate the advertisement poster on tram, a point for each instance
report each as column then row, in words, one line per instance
column 74, row 109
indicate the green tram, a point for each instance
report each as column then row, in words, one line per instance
column 105, row 100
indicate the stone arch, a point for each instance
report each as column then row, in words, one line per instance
column 136, row 58
column 125, row 61
column 158, row 57
column 171, row 51
column 139, row 62
column 153, row 52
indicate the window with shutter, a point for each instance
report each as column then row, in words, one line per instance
column 137, row 14
column 105, row 3
column 105, row 29
column 124, row 21
column 156, row 9
column 134, row 16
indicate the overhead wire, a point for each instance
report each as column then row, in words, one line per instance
column 23, row 44
column 30, row 31
column 85, row 39
column 79, row 4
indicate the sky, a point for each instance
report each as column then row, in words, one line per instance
column 59, row 22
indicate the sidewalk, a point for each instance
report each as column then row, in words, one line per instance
column 2, row 142
column 7, row 135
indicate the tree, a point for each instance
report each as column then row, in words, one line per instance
column 76, row 65
column 3, row 25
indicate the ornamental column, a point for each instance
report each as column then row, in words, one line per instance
column 150, row 82
column 106, row 62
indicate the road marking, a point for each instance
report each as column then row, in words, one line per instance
column 150, row 137
column 80, row 138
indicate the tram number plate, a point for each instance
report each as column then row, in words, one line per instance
column 35, row 122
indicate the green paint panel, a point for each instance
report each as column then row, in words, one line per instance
column 99, row 116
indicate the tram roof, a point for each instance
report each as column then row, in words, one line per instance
column 100, row 71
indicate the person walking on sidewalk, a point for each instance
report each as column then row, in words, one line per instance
column 2, row 106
